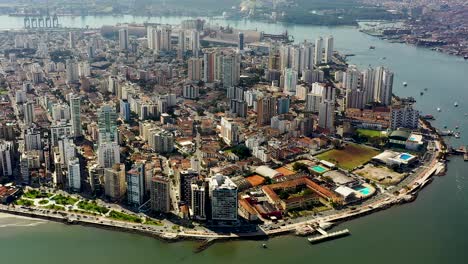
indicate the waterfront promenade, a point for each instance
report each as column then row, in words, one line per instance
column 407, row 190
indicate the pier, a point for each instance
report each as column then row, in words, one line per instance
column 328, row 236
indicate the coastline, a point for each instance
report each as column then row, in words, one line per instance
column 401, row 39
column 365, row 208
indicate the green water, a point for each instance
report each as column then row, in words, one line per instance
column 433, row 229
column 319, row 169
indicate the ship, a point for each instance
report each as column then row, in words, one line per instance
column 446, row 133
column 428, row 117
column 304, row 230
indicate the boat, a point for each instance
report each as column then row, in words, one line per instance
column 465, row 57
column 457, row 135
column 384, row 58
column 428, row 117
column 455, row 104
column 438, row 109
column 405, row 84
column 421, row 93
column 456, row 127
column 372, row 47
column 264, row 245
column 425, row 89
column 325, row 225
column 446, row 133
column 304, row 230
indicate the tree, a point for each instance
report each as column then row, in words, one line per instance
column 338, row 144
column 241, row 151
column 300, row 167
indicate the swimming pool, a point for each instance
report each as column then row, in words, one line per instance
column 319, row 169
column 405, row 156
column 364, row 191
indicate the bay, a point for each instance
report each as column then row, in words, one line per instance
column 430, row 230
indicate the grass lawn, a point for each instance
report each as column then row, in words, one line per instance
column 34, row 194
column 55, row 207
column 124, row 217
column 153, row 222
column 93, row 207
column 42, row 202
column 64, row 200
column 369, row 133
column 24, row 202
column 350, row 157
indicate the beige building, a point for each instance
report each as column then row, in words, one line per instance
column 114, row 182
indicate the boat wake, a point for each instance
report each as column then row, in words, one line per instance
column 22, row 224
column 460, row 182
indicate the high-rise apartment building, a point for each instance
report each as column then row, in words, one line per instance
column 223, row 196
column 123, row 39
column 327, row 109
column 159, row 192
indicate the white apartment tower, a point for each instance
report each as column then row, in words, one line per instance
column 123, row 39
column 328, row 49
column 327, row 109
column 223, row 195
column 318, row 54
column 74, row 175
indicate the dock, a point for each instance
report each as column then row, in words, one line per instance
column 328, row 236
column 463, row 150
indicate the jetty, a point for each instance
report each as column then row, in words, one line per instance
column 328, row 236
column 463, row 150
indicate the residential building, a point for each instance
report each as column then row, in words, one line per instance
column 327, row 109
column 160, row 197
column 223, row 196
column 6, row 158
column 123, row 39
column 198, row 205
column 328, row 49
column 74, row 175
column 108, row 154
column 75, row 114
column 114, row 182
column 195, row 69
column 136, row 184
column 404, row 116
column 266, row 109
